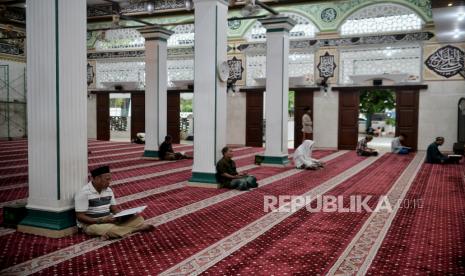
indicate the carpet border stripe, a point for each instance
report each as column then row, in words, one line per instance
column 206, row 258
column 132, row 178
column 359, row 254
column 59, row 256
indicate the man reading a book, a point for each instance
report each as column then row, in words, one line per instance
column 434, row 156
column 166, row 151
column 95, row 206
column 397, row 145
column 362, row 148
column 228, row 176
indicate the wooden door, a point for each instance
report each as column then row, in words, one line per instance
column 303, row 99
column 254, row 119
column 173, row 118
column 348, row 119
column 407, row 116
column 137, row 114
column 103, row 116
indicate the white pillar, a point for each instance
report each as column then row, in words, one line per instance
column 156, row 78
column 57, row 113
column 209, row 91
column 277, row 89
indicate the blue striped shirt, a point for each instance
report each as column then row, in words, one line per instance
column 93, row 203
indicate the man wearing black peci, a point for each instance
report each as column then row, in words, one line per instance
column 95, row 206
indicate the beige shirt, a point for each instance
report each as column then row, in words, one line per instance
column 307, row 124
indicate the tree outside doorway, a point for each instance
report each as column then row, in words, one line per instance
column 186, row 117
column 120, row 117
column 377, row 103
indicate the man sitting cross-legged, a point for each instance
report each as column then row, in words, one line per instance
column 228, row 176
column 434, row 156
column 397, row 147
column 166, row 151
column 95, row 206
column 363, row 149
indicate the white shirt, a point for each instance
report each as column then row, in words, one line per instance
column 307, row 123
column 93, row 203
column 396, row 146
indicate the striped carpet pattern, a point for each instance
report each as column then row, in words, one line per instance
column 227, row 232
column 429, row 239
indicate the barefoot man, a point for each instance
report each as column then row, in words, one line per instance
column 95, row 206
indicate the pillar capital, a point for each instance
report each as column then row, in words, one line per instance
column 155, row 33
column 278, row 24
column 226, row 2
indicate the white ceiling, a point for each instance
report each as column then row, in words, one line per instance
column 450, row 24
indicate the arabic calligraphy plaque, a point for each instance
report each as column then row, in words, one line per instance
column 447, row 61
column 327, row 66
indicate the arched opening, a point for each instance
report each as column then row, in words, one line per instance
column 303, row 29
column 183, row 36
column 381, row 18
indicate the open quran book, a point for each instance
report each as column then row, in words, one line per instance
column 131, row 211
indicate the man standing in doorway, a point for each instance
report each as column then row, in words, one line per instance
column 307, row 125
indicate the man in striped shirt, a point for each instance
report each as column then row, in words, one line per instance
column 95, row 206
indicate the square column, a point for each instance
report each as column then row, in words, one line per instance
column 57, row 113
column 277, row 89
column 209, row 90
column 156, row 78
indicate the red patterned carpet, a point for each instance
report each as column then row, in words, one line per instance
column 429, row 240
column 178, row 239
column 15, row 187
column 227, row 232
column 313, row 240
column 162, row 202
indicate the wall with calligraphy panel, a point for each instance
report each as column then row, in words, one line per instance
column 327, row 64
column 443, row 66
column 443, row 61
